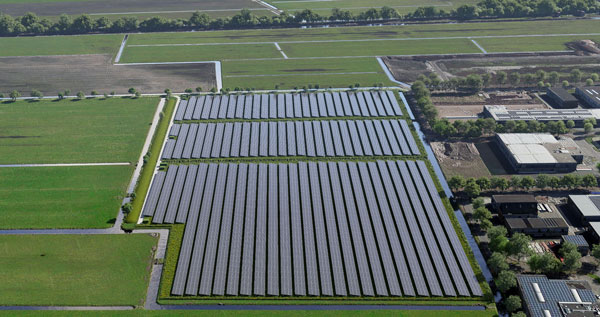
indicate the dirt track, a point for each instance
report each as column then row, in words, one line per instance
column 51, row 74
column 116, row 6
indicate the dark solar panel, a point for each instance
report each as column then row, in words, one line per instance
column 168, row 150
column 153, row 194
column 181, row 110
column 331, row 110
column 218, row 140
column 192, row 106
column 394, row 102
column 323, row 109
column 281, row 138
column 309, row 139
column 186, row 197
column 226, row 147
column 176, row 193
column 297, row 246
column 291, row 138
column 235, row 254
column 232, row 107
column 189, row 143
column 285, row 254
column 372, row 110
column 260, row 258
column 337, row 138
column 318, row 135
column 249, row 234
column 312, row 274
column 239, row 108
column 222, row 110
column 199, row 142
column 208, row 140
column 378, row 103
column 363, row 136
column 237, row 139
column 327, row 138
column 373, row 138
column 382, row 138
column 163, row 200
column 346, row 104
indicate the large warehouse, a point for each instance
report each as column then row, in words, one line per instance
column 500, row 114
column 591, row 95
column 562, row 98
column 539, row 152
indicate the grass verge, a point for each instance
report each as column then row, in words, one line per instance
column 143, row 184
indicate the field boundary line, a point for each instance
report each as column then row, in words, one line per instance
column 374, row 40
column 118, row 57
column 269, row 6
column 165, row 63
column 479, row 46
column 176, row 11
column 66, row 164
column 280, row 50
column 389, row 75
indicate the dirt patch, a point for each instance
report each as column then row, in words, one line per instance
column 51, row 74
column 459, row 158
column 118, row 6
column 457, row 107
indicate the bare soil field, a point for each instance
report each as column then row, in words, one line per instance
column 55, row 8
column 407, row 69
column 51, row 74
column 459, row 158
column 455, row 107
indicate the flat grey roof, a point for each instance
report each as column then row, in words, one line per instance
column 500, row 113
column 562, row 93
column 586, row 205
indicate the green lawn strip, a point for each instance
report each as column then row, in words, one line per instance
column 171, row 258
column 60, row 45
column 526, row 44
column 143, row 184
column 261, row 313
column 194, row 53
column 357, row 6
column 61, row 197
column 368, row 32
column 69, row 270
column 376, row 48
column 69, row 131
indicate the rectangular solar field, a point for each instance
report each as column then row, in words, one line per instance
column 311, row 229
column 287, row 106
column 288, row 138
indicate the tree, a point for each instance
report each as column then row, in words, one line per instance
column 94, row 93
column 572, row 261
column 499, row 183
column 567, row 247
column 545, row 263
column 589, row 82
column 501, row 77
column 472, row 189
column 201, row 20
column 588, row 127
column 486, row 79
column 498, row 239
column 518, row 245
column 596, row 252
column 198, row 89
column 61, row 96
column 542, row 181
column 527, row 182
column 80, row 95
column 131, row 91
column 553, row 77
column 478, row 203
column 188, row 90
column 565, row 84
column 14, row 95
column 518, row 314
column 569, row 181
column 37, row 94
column 514, row 78
column 505, row 281
column 497, row 262
column 474, row 82
column 576, row 75
column 457, row 182
column 484, row 183
column 515, row 182
column 481, row 214
column 589, row 180
column 570, row 124
column 485, row 224
column 138, row 94
column 512, row 303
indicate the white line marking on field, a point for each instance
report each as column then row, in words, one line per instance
column 118, row 58
column 271, row 7
column 479, row 46
column 311, row 74
column 375, row 40
column 280, row 50
column 65, row 164
column 179, row 11
column 165, row 63
column 389, row 74
column 218, row 76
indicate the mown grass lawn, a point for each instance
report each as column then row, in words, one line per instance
column 271, row 313
column 356, row 6
column 75, row 269
column 288, row 74
column 144, row 54
column 523, row 44
column 61, row 197
column 69, row 131
column 60, row 45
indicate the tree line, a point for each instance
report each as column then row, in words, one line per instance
column 473, row 187
column 31, row 24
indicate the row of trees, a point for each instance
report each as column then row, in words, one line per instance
column 540, row 79
column 30, row 23
column 473, row 187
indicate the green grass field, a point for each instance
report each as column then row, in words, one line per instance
column 75, row 269
column 60, row 45
column 142, row 54
column 270, row 313
column 61, row 197
column 520, row 44
column 69, row 131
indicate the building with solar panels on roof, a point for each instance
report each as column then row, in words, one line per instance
column 539, row 152
column 591, row 95
column 556, row 298
column 579, row 241
column 586, row 208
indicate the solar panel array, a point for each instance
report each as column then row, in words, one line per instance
column 311, row 229
column 291, row 138
column 273, row 106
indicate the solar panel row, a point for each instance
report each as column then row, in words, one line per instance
column 288, row 138
column 311, row 228
column 272, row 106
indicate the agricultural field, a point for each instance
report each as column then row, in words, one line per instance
column 60, row 45
column 74, row 131
column 87, row 73
column 356, row 6
column 128, row 7
column 335, row 56
column 268, row 313
column 75, row 269
column 61, row 197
